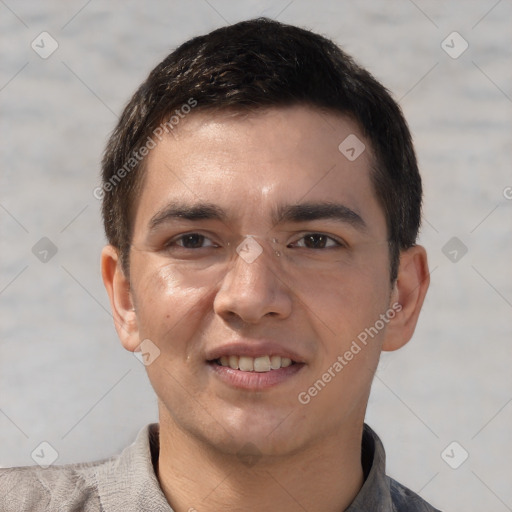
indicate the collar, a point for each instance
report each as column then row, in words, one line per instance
column 375, row 494
column 129, row 482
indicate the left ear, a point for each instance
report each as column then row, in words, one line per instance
column 409, row 291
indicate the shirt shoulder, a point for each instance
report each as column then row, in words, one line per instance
column 125, row 482
column 70, row 487
column 405, row 500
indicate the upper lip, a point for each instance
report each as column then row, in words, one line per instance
column 253, row 348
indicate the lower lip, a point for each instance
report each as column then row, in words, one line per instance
column 255, row 381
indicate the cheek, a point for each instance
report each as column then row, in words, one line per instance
column 358, row 286
column 170, row 309
column 343, row 303
column 344, row 310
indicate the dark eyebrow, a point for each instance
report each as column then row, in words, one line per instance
column 315, row 211
column 286, row 213
column 177, row 210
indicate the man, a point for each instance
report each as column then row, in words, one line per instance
column 261, row 200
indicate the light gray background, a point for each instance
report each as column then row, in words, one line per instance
column 64, row 377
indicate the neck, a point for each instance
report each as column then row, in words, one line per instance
column 195, row 476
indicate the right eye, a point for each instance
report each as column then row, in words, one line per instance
column 191, row 241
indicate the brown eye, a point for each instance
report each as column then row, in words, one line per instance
column 193, row 241
column 317, row 241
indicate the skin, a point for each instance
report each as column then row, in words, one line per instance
column 314, row 300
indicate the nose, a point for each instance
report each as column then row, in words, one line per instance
column 253, row 290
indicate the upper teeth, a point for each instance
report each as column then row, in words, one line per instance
column 255, row 364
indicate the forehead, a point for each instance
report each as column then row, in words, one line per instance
column 263, row 159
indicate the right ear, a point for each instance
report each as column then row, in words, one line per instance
column 121, row 300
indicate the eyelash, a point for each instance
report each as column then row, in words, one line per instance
column 329, row 238
column 174, row 241
column 182, row 237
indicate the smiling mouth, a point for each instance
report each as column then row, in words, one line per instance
column 254, row 364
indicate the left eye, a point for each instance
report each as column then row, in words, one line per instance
column 193, row 241
column 317, row 241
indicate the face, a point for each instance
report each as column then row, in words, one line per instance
column 257, row 241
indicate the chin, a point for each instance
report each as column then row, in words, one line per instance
column 270, row 432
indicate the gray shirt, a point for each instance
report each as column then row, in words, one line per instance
column 128, row 483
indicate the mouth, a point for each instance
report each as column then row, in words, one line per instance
column 254, row 373
column 261, row 364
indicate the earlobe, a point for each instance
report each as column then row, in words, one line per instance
column 121, row 299
column 409, row 291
